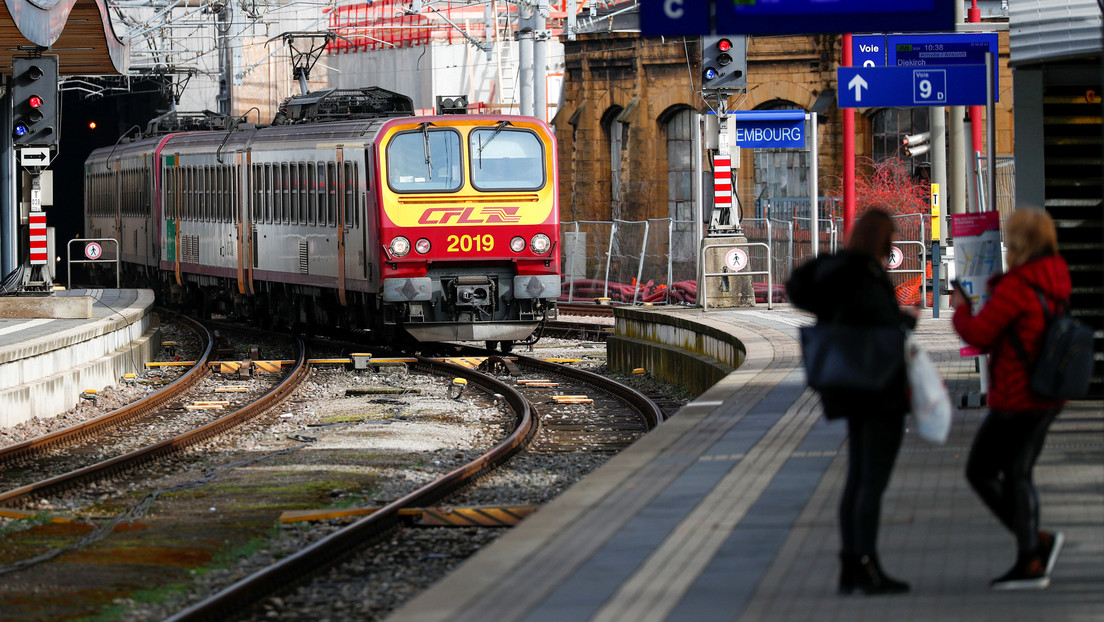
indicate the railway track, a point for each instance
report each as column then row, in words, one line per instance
column 83, row 459
column 546, row 423
column 595, row 428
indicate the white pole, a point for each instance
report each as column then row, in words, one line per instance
column 814, row 215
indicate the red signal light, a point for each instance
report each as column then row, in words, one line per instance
column 724, row 45
column 35, row 101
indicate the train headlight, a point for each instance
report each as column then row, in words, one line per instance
column 400, row 246
column 422, row 246
column 517, row 244
column 540, row 244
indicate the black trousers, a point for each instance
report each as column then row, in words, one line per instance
column 873, row 444
column 999, row 469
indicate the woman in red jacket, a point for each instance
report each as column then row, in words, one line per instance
column 1011, row 436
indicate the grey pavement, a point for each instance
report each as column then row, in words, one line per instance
column 728, row 512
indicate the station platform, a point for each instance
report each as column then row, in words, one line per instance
column 54, row 348
column 728, row 510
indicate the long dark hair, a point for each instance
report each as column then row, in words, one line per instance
column 873, row 234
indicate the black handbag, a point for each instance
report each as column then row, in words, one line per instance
column 852, row 357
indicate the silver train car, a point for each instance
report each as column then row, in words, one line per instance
column 348, row 210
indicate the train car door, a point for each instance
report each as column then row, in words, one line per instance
column 242, row 202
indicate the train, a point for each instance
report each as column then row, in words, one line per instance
column 346, row 210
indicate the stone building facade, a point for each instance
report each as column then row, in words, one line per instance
column 625, row 130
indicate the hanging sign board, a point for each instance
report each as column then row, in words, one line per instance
column 779, row 129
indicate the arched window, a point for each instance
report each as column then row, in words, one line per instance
column 889, row 126
column 781, row 173
column 678, row 125
column 616, row 135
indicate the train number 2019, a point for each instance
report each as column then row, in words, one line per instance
column 468, row 243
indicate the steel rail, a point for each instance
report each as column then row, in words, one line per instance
column 119, row 416
column 648, row 409
column 167, row 447
column 330, row 550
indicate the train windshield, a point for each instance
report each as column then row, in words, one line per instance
column 424, row 160
column 505, row 158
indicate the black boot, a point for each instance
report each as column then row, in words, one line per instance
column 865, row 574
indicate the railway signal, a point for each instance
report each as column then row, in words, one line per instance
column 917, row 144
column 34, row 95
column 724, row 63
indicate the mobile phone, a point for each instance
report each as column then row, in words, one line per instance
column 960, row 288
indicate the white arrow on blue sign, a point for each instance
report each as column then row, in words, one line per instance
column 904, row 87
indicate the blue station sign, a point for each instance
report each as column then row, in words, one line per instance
column 788, row 17
column 762, row 129
column 903, row 87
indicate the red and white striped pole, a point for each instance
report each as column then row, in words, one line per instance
column 39, row 253
column 722, row 185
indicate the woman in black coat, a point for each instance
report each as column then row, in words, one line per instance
column 852, row 287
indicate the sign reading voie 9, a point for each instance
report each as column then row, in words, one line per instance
column 780, row 17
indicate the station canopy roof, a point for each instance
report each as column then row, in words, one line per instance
column 79, row 32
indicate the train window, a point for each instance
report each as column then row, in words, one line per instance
column 504, row 158
column 170, row 192
column 424, row 160
column 222, row 207
column 350, row 193
column 293, row 194
column 331, row 193
column 186, row 190
column 206, row 188
column 146, row 192
column 301, row 193
column 232, row 215
column 319, row 190
column 266, row 179
column 310, row 200
column 285, row 191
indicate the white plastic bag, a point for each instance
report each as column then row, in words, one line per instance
column 931, row 404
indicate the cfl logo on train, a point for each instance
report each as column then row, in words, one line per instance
column 469, row 216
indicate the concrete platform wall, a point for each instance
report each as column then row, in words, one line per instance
column 44, row 377
column 677, row 346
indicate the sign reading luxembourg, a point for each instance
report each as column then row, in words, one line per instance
column 788, row 17
column 779, row 129
column 903, row 87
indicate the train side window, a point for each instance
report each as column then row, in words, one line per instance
column 350, row 194
column 305, row 216
column 235, row 198
column 308, row 194
column 266, row 190
column 331, row 193
column 226, row 201
column 206, row 187
column 188, row 188
column 223, row 205
column 293, row 193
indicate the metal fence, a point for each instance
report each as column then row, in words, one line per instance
column 628, row 261
column 657, row 261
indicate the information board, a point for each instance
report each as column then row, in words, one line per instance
column 789, row 17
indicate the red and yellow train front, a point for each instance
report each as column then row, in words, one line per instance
column 469, row 226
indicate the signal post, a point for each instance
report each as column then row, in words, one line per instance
column 724, row 69
column 35, row 126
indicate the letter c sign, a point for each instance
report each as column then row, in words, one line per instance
column 673, row 8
